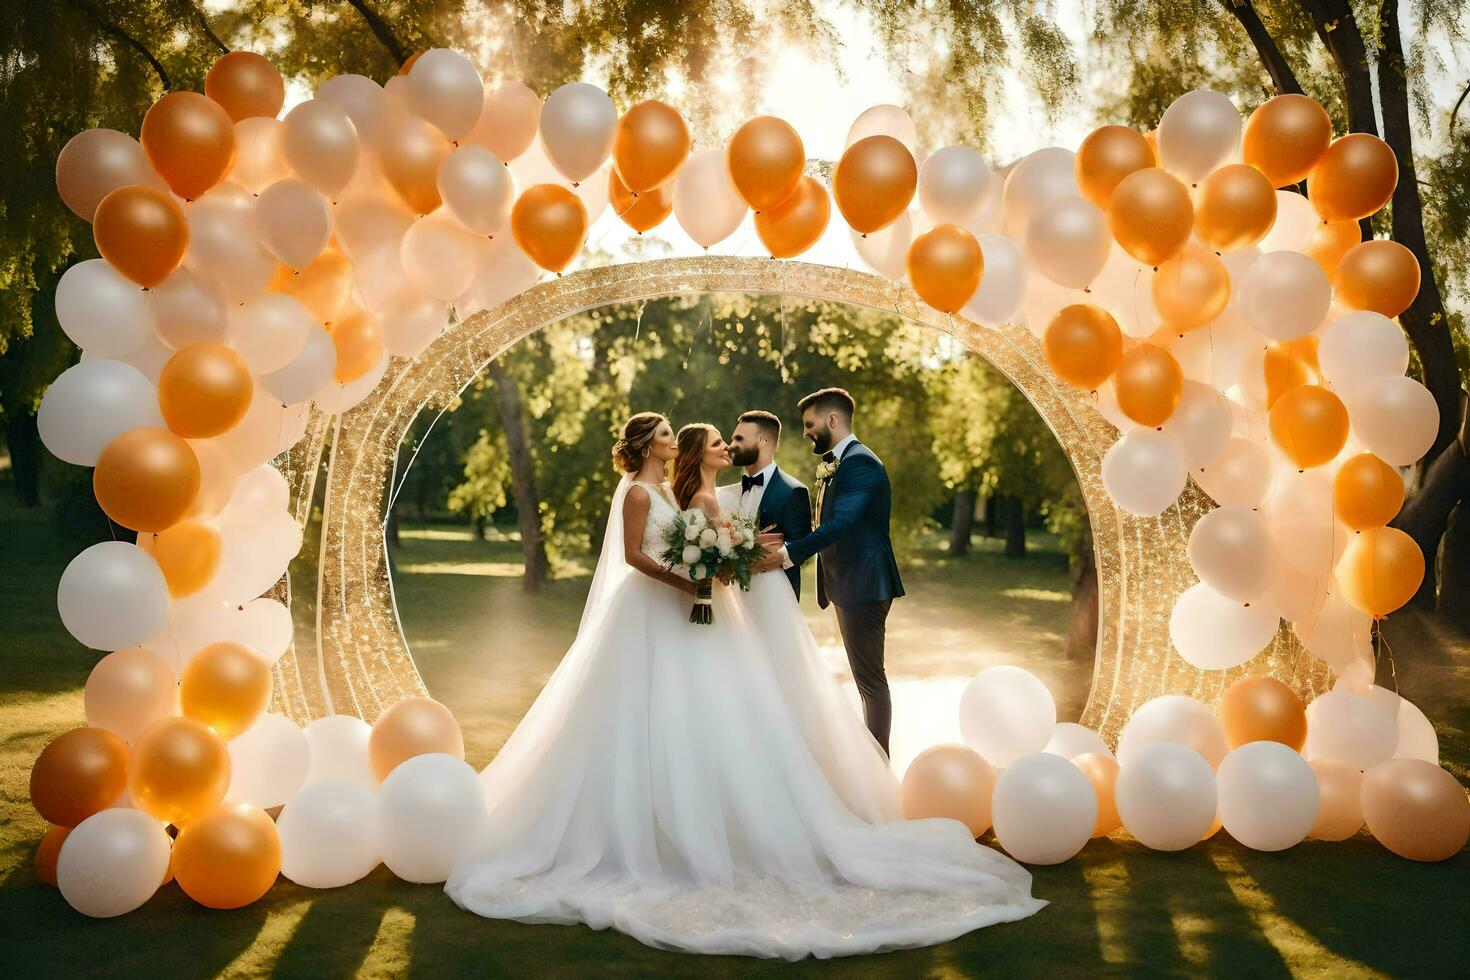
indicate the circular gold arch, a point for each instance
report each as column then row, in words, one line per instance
column 361, row 662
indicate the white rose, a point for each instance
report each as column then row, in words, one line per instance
column 690, row 532
column 699, row 572
column 725, row 547
column 691, row 553
column 707, row 537
column 695, row 517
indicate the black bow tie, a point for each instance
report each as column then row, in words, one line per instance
column 746, row 482
column 829, row 457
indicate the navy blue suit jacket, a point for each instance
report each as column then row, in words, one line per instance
column 787, row 504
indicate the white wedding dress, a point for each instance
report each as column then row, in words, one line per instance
column 707, row 789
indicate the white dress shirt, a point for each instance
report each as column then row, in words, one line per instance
column 750, row 500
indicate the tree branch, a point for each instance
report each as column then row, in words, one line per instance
column 1282, row 77
column 1338, row 29
column 108, row 27
column 202, row 20
column 1455, row 113
column 384, row 33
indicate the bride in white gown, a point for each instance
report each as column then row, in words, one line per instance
column 707, row 788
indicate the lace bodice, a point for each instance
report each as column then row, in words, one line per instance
column 661, row 513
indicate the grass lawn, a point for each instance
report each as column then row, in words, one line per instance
column 485, row 649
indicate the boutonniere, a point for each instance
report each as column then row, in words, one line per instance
column 826, row 470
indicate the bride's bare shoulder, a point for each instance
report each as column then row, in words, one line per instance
column 706, row 502
column 636, row 499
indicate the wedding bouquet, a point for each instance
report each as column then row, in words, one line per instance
column 707, row 548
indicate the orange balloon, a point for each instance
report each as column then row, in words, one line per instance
column 142, row 232
column 766, row 160
column 228, row 857
column 1367, row 492
column 180, row 770
column 1285, row 137
column 1288, row 364
column 407, row 66
column 951, row 781
column 1191, row 288
column 146, row 479
column 322, row 286
column 874, row 183
column 187, row 553
column 1235, row 208
column 945, row 265
column 1148, row 384
column 650, row 145
column 550, row 224
column 226, row 686
column 1331, row 241
column 1416, row 809
column 81, row 772
column 1102, row 771
column 1355, row 177
column 245, row 85
column 1309, row 425
column 1381, row 570
column 1262, row 709
column 794, row 225
column 204, row 390
column 358, row 347
column 1151, row 215
column 1083, row 345
column 190, row 139
column 1380, row 275
column 639, row 211
column 410, row 160
column 1108, row 155
column 410, row 727
column 47, row 853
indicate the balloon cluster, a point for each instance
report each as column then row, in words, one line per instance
column 1270, row 770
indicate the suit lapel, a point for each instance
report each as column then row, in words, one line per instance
column 773, row 498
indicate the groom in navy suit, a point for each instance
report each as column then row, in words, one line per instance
column 768, row 495
column 856, row 570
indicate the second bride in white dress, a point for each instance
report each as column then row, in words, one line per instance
column 706, row 788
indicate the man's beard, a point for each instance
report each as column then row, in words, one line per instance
column 743, row 457
column 821, row 441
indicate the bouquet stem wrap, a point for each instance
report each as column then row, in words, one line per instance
column 703, row 612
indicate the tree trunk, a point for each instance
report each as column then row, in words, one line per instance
column 1454, row 568
column 1015, row 514
column 1082, row 623
column 25, row 456
column 1282, row 77
column 522, row 476
column 1338, row 29
column 992, row 516
column 963, row 523
column 1445, row 484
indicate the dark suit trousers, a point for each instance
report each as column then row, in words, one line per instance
column 862, row 627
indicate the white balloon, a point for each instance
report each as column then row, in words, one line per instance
column 1046, row 175
column 1396, row 419
column 504, row 272
column 1198, row 133
column 998, row 299
column 577, row 125
column 432, row 812
column 1360, row 347
column 1268, row 796
column 884, row 120
column 445, row 88
column 112, row 596
column 1297, row 596
column 308, row 371
column 258, row 492
column 953, row 183
column 886, row 251
column 91, row 404
column 1043, row 300
column 1417, row 738
column 268, row 762
column 1230, row 550
column 1044, row 809
column 411, row 322
column 439, row 255
column 102, row 312
column 187, row 309
column 1284, row 295
column 224, row 243
column 1352, row 728
column 1124, row 288
column 112, row 862
column 336, row 397
column 1005, row 713
column 329, row 834
column 1296, row 222
column 363, row 99
column 1173, row 718
column 1069, row 740
column 1166, row 796
column 1068, row 241
column 1213, row 632
column 1143, row 472
column 1240, row 474
column 254, row 553
column 269, row 331
column 1200, row 425
column 265, row 626
column 535, row 167
column 339, row 750
column 476, row 188
column 260, row 155
column 1302, row 520
column 1339, row 635
column 295, row 222
column 706, row 204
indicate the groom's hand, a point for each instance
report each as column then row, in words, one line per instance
column 769, row 563
column 769, row 540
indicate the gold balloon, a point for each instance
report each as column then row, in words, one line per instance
column 410, row 727
column 1340, row 807
column 47, row 853
column 1151, row 215
column 410, row 159
column 549, row 223
column 949, row 781
column 1148, row 383
column 246, row 84
column 226, row 686
column 142, row 233
column 180, row 770
column 1355, row 177
column 793, row 225
column 146, row 479
column 1285, row 138
column 96, row 162
column 1380, row 571
column 358, row 346
column 1309, row 424
column 1380, row 275
column 81, row 772
column 1262, row 709
column 190, row 139
column 945, row 265
column 322, row 286
column 187, row 554
column 204, row 390
column 650, row 145
column 1367, row 492
column 1289, row 363
column 228, row 857
column 766, row 158
column 1331, row 242
column 1108, row 155
column 1191, row 288
column 874, row 183
column 640, row 212
column 1416, row 809
column 1102, row 771
column 1235, row 208
column 1083, row 345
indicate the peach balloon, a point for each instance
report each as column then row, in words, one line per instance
column 1380, row 275
column 359, row 349
column 1106, row 156
column 1235, row 208
column 1380, row 570
column 1262, row 709
column 146, row 479
column 410, row 727
column 641, row 212
column 650, row 144
column 1416, row 809
column 228, row 857
column 1367, row 492
column 187, row 553
column 246, row 84
column 226, row 686
column 1340, row 806
column 129, row 690
column 204, row 390
column 142, row 233
column 1289, row 363
column 1083, row 345
column 81, row 772
column 1331, row 242
column 410, row 159
column 1309, row 424
column 1148, row 384
column 180, row 769
column 1285, row 137
column 47, row 853
column 508, row 120
column 1151, row 215
column 190, row 140
column 1102, row 771
column 1191, row 288
column 96, row 162
column 793, row 225
column 874, row 182
column 549, row 223
column 1354, row 178
column 945, row 266
column 322, row 285
column 949, row 781
column 766, row 158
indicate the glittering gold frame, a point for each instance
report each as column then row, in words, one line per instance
column 362, row 664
